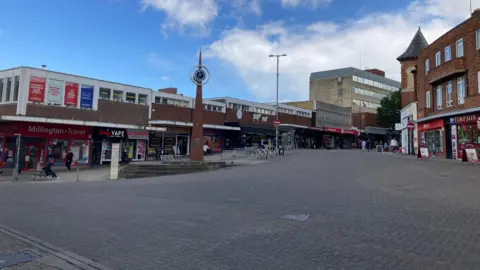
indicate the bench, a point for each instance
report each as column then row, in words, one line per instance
column 39, row 174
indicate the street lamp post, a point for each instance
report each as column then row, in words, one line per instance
column 276, row 108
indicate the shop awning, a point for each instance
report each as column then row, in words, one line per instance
column 448, row 114
column 293, row 126
column 190, row 124
column 75, row 122
column 258, row 131
column 335, row 130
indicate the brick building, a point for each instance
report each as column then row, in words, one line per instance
column 55, row 113
column 408, row 114
column 448, row 100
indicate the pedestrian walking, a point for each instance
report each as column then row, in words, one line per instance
column 369, row 145
column 69, row 160
column 394, row 146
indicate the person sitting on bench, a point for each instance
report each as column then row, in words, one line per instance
column 48, row 169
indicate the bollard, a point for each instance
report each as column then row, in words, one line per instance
column 78, row 174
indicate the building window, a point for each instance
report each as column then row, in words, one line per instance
column 9, row 89
column 427, row 99
column 438, row 59
column 478, row 39
column 158, row 100
column 142, row 99
column 427, row 66
column 448, row 53
column 1, row 90
column 461, row 90
column 130, row 97
column 439, row 97
column 16, row 88
column 165, row 101
column 449, row 94
column 104, row 93
column 478, row 81
column 459, row 47
column 117, row 95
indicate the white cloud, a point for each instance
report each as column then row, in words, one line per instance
column 164, row 78
column 182, row 14
column 313, row 3
column 375, row 38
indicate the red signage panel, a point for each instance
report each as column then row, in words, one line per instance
column 431, row 125
column 71, row 94
column 36, row 89
column 45, row 130
column 350, row 131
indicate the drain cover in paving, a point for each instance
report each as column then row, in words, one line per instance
column 297, row 217
column 13, row 259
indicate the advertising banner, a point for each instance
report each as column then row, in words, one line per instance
column 54, row 92
column 71, row 94
column 36, row 90
column 86, row 97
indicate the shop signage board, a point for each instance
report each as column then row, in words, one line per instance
column 423, row 154
column 86, row 97
column 36, row 89
column 276, row 122
column 472, row 155
column 45, row 130
column 114, row 133
column 54, row 92
column 134, row 134
column 71, row 94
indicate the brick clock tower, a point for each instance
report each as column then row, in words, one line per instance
column 199, row 76
column 408, row 60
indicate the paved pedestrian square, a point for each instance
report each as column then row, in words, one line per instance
column 312, row 209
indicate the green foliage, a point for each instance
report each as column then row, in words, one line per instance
column 389, row 111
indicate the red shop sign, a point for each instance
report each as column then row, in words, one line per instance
column 334, row 130
column 349, row 131
column 431, row 125
column 48, row 130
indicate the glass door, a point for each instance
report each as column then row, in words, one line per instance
column 32, row 156
column 182, row 145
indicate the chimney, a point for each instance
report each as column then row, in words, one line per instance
column 170, row 90
column 376, row 72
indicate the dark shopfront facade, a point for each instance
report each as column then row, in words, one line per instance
column 334, row 138
column 44, row 141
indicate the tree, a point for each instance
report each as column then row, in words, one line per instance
column 389, row 111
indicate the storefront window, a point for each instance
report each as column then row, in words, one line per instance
column 434, row 140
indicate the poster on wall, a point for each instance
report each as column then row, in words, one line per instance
column 54, row 92
column 141, row 149
column 36, row 89
column 454, row 141
column 86, row 97
column 71, row 94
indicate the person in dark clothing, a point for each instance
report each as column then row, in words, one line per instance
column 369, row 145
column 48, row 169
column 69, row 160
column 125, row 157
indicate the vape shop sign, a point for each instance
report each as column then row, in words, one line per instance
column 115, row 133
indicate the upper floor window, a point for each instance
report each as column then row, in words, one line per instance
column 9, row 89
column 478, row 38
column 130, row 97
column 439, row 97
column 117, row 95
column 1, row 89
column 104, row 93
column 461, row 90
column 448, row 93
column 448, row 53
column 142, row 99
column 158, row 99
column 459, row 47
column 427, row 66
column 438, row 59
column 427, row 99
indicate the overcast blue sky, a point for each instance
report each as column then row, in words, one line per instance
column 154, row 43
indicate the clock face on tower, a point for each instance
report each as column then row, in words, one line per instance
column 239, row 114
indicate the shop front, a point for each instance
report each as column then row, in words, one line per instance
column 465, row 132
column 102, row 143
column 40, row 142
column 336, row 138
column 432, row 134
column 136, row 144
column 215, row 139
column 176, row 141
